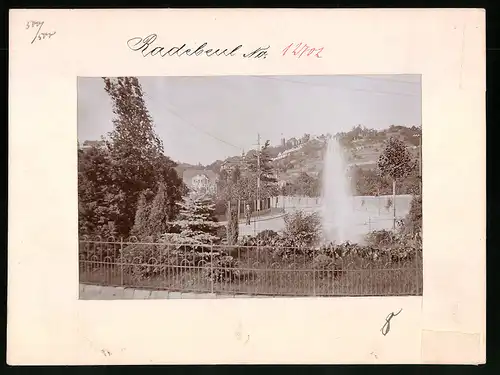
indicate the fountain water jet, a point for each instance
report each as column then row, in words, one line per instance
column 337, row 212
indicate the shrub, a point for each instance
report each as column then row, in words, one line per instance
column 144, row 261
column 347, row 251
column 221, row 232
column 380, row 238
column 302, row 228
column 267, row 235
column 222, row 269
column 325, row 267
column 274, row 246
column 412, row 224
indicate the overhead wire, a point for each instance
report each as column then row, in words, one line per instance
column 203, row 131
column 337, row 88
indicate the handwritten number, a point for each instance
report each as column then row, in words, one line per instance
column 302, row 49
column 295, row 50
column 285, row 50
column 387, row 326
column 37, row 32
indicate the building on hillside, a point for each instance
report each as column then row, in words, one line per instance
column 229, row 164
column 226, row 165
column 200, row 180
column 284, row 154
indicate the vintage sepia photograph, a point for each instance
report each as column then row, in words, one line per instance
column 249, row 186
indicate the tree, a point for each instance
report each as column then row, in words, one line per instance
column 197, row 222
column 235, row 174
column 159, row 213
column 136, row 155
column 222, row 180
column 96, row 192
column 370, row 182
column 413, row 220
column 232, row 224
column 243, row 182
column 396, row 163
column 306, row 184
column 260, row 163
column 141, row 224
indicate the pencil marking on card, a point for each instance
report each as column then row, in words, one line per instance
column 387, row 326
column 37, row 25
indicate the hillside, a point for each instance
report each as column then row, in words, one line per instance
column 305, row 154
column 364, row 147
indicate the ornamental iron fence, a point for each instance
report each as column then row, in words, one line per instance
column 345, row 270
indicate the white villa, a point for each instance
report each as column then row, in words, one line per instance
column 204, row 181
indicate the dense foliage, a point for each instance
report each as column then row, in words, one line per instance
column 129, row 168
column 395, row 161
column 371, row 182
column 303, row 227
column 303, row 185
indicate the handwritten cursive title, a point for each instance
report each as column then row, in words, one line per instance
column 148, row 46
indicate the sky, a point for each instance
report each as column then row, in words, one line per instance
column 202, row 119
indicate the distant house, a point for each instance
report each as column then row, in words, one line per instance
column 200, row 180
column 226, row 166
column 89, row 144
column 229, row 164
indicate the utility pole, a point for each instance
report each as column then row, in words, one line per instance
column 241, row 166
column 257, row 201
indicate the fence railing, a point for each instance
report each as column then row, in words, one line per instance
column 249, row 270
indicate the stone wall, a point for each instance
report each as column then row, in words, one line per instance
column 370, row 203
